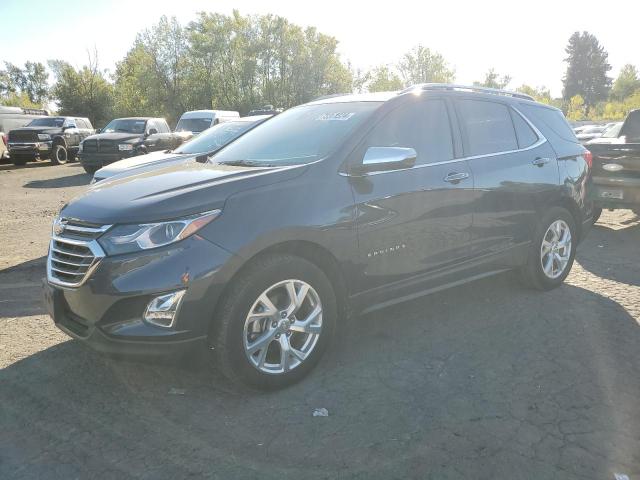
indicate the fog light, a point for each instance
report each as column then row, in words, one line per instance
column 162, row 310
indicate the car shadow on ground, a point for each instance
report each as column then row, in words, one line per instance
column 487, row 380
column 75, row 180
column 613, row 250
column 19, row 286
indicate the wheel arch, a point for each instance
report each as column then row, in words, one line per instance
column 313, row 253
column 571, row 205
column 59, row 141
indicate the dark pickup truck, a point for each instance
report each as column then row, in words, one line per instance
column 124, row 138
column 616, row 168
column 57, row 138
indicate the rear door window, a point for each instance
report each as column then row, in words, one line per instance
column 488, row 127
column 423, row 126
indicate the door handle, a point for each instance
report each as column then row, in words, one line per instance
column 456, row 177
column 540, row 162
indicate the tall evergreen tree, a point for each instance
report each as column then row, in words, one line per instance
column 587, row 67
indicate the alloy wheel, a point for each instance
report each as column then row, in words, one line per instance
column 283, row 327
column 555, row 251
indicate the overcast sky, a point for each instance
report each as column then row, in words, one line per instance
column 523, row 39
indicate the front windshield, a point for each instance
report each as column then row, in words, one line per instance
column 613, row 132
column 126, row 125
column 300, row 135
column 195, row 125
column 47, row 122
column 215, row 137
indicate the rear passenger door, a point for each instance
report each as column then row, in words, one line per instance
column 515, row 172
column 416, row 220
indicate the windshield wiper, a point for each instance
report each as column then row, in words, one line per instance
column 246, row 163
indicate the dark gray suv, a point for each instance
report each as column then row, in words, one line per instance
column 342, row 205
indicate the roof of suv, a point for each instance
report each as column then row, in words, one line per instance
column 424, row 87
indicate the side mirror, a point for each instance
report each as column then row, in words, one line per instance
column 152, row 131
column 383, row 159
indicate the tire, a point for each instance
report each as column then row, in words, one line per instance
column 533, row 273
column 59, row 154
column 90, row 169
column 19, row 160
column 234, row 332
column 597, row 211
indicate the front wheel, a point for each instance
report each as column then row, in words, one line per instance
column 274, row 326
column 59, row 155
column 552, row 251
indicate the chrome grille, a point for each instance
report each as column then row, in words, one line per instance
column 74, row 252
column 90, row 146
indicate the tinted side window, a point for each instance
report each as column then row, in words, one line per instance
column 552, row 118
column 526, row 135
column 70, row 122
column 488, row 126
column 423, row 126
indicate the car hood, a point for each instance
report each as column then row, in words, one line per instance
column 133, row 165
column 169, row 192
column 121, row 136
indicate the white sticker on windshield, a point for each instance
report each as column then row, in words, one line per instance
column 339, row 116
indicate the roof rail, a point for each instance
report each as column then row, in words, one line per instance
column 468, row 88
column 35, row 111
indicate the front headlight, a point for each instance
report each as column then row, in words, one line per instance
column 125, row 147
column 133, row 238
column 44, row 136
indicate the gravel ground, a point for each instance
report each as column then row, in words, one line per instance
column 484, row 381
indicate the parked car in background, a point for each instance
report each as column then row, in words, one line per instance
column 347, row 204
column 196, row 121
column 199, row 148
column 590, row 133
column 57, row 138
column 266, row 110
column 610, row 135
column 12, row 118
column 616, row 167
column 124, row 138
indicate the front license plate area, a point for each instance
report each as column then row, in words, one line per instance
column 614, row 194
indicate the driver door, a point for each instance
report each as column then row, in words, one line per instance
column 416, row 220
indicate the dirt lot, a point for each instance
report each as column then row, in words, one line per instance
column 485, row 381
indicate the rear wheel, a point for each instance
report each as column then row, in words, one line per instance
column 552, row 251
column 274, row 326
column 59, row 154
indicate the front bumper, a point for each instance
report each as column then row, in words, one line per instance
column 106, row 311
column 101, row 159
column 32, row 149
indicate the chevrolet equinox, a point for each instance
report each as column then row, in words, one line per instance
column 339, row 206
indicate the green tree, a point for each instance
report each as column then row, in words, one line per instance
column 421, row 65
column 494, row 80
column 576, row 108
column 540, row 94
column 383, row 79
column 84, row 92
column 626, row 84
column 587, row 67
column 28, row 84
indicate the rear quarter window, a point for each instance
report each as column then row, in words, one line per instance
column 552, row 118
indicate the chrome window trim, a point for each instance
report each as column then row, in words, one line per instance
column 541, row 141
